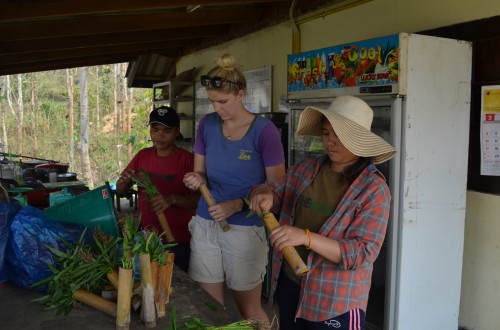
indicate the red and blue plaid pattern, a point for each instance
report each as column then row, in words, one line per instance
column 358, row 224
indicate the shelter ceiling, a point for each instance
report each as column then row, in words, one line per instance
column 41, row 35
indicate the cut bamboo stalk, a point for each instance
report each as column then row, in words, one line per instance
column 112, row 276
column 166, row 228
column 170, row 271
column 154, row 275
column 210, row 201
column 154, row 278
column 95, row 301
column 289, row 252
column 161, row 293
column 125, row 280
column 148, row 297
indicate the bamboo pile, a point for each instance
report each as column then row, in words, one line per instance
column 83, row 272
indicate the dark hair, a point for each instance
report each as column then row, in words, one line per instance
column 352, row 172
column 227, row 68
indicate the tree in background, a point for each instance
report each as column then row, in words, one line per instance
column 33, row 112
column 20, row 114
column 4, row 146
column 71, row 119
column 84, row 127
column 117, row 103
column 49, row 120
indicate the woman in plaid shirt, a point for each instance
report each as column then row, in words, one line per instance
column 334, row 210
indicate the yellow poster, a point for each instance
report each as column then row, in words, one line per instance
column 491, row 100
column 490, row 130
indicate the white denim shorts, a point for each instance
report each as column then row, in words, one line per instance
column 238, row 256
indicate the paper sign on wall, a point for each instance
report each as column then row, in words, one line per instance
column 490, row 130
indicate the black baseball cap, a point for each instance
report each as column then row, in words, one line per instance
column 164, row 115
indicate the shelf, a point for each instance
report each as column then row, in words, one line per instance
column 180, row 96
column 174, row 100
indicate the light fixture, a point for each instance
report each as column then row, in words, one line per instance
column 190, row 9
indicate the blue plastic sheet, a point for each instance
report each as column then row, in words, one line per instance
column 27, row 255
column 7, row 213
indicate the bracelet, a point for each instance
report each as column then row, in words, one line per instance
column 310, row 239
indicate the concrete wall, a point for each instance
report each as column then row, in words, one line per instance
column 481, row 271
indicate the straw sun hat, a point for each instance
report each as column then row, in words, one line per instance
column 351, row 119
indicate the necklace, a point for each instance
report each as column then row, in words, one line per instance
column 236, row 130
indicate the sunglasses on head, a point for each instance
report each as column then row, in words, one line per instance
column 215, row 82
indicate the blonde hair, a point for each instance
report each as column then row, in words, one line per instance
column 228, row 69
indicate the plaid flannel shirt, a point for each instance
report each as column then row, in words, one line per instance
column 359, row 225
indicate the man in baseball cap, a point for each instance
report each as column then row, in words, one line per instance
column 165, row 163
column 164, row 115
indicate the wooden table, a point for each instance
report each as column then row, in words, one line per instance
column 19, row 312
column 52, row 185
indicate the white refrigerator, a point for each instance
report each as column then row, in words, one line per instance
column 419, row 88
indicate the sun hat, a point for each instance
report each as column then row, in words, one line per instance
column 164, row 115
column 351, row 119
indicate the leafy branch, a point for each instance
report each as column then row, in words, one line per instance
column 143, row 180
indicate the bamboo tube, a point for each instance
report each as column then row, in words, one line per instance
column 125, row 280
column 289, row 252
column 166, row 228
column 170, row 271
column 112, row 276
column 95, row 301
column 154, row 275
column 154, row 278
column 161, row 294
column 210, row 201
column 148, row 298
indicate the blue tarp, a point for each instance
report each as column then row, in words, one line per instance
column 7, row 213
column 26, row 254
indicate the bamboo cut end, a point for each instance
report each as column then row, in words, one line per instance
column 301, row 270
column 224, row 225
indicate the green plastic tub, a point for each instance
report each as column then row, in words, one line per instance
column 91, row 209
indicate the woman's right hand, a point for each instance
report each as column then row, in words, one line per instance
column 193, row 180
column 261, row 199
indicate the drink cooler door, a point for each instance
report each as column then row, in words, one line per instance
column 386, row 124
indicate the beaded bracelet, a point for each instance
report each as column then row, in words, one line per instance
column 310, row 239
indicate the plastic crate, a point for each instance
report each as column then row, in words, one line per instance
column 92, row 209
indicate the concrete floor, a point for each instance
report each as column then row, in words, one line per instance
column 18, row 311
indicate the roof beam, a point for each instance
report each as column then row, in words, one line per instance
column 85, row 41
column 123, row 23
column 68, row 63
column 137, row 48
column 19, row 10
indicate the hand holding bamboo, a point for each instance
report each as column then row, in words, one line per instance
column 289, row 252
column 210, row 201
column 142, row 179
